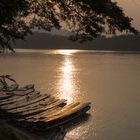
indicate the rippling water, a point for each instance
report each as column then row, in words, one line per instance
column 109, row 80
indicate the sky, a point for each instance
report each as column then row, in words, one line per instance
column 132, row 9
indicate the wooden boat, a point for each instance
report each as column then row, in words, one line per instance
column 38, row 104
column 4, row 96
column 22, row 93
column 13, row 89
column 20, row 100
column 10, row 88
column 48, row 109
column 68, row 107
column 64, row 117
column 30, row 86
column 41, row 98
column 44, row 109
column 11, row 100
column 30, row 108
column 16, row 93
column 1, row 86
column 66, row 112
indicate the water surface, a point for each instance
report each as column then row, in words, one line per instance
column 109, row 80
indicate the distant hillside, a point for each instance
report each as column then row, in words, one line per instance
column 48, row 41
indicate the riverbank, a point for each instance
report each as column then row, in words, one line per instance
column 8, row 132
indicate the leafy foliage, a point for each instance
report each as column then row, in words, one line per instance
column 12, row 25
column 85, row 18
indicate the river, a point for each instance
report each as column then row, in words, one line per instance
column 109, row 80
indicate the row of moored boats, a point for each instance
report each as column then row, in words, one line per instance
column 30, row 108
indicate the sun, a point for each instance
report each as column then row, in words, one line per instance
column 66, row 52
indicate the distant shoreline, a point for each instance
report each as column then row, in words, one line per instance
column 80, row 51
column 84, row 49
column 48, row 42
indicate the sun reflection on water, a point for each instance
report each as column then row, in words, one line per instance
column 69, row 89
column 66, row 83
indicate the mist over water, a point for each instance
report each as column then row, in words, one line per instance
column 109, row 80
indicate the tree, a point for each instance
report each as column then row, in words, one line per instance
column 85, row 18
column 12, row 26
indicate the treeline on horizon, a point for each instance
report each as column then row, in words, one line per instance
column 49, row 41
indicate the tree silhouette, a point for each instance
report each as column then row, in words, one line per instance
column 11, row 25
column 85, row 18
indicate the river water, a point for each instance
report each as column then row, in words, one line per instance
column 109, row 80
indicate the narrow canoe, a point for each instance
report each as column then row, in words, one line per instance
column 64, row 116
column 44, row 109
column 18, row 100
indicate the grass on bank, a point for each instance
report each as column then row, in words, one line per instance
column 8, row 132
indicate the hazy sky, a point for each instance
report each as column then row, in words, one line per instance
column 132, row 9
